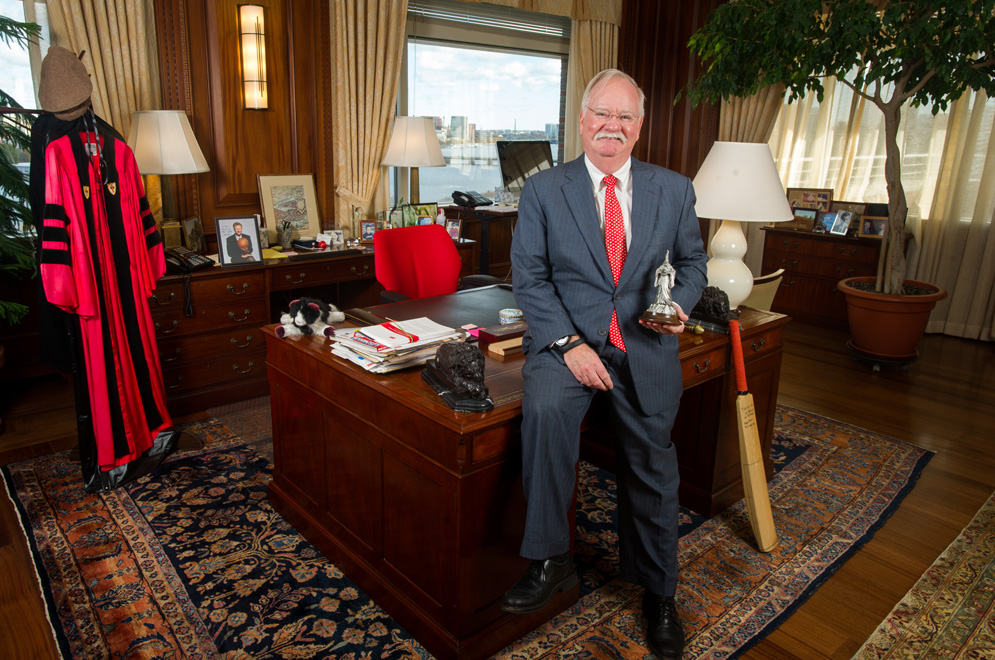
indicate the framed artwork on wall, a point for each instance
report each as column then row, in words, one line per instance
column 289, row 202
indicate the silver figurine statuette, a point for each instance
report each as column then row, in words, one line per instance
column 662, row 310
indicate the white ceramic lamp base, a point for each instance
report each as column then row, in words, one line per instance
column 726, row 269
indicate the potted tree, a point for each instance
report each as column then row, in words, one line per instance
column 927, row 52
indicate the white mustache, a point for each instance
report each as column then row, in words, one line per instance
column 608, row 135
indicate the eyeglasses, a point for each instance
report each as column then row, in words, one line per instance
column 604, row 116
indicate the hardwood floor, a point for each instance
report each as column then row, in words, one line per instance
column 945, row 402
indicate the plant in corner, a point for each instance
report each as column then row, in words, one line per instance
column 16, row 253
column 926, row 52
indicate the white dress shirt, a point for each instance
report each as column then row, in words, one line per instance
column 623, row 192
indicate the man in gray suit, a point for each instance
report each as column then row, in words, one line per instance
column 583, row 306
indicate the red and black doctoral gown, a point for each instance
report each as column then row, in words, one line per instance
column 100, row 258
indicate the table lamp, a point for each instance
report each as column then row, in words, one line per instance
column 164, row 144
column 414, row 144
column 738, row 182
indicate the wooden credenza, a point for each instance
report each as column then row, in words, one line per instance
column 813, row 264
column 492, row 227
column 216, row 355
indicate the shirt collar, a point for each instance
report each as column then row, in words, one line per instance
column 622, row 174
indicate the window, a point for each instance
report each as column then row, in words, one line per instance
column 484, row 73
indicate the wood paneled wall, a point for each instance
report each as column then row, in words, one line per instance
column 198, row 50
column 199, row 58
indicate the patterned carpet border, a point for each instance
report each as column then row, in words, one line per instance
column 950, row 611
column 192, row 561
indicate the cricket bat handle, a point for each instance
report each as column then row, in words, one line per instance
column 751, row 454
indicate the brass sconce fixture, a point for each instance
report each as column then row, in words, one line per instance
column 252, row 34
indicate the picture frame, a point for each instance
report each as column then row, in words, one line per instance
column 425, row 214
column 338, row 236
column 367, row 229
column 825, row 220
column 193, row 234
column 238, row 240
column 810, row 198
column 873, row 226
column 454, row 228
column 801, row 219
column 289, row 201
column 842, row 223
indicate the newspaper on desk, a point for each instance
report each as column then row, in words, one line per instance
column 393, row 345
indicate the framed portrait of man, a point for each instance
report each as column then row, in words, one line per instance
column 238, row 241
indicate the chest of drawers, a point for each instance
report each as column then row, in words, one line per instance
column 813, row 264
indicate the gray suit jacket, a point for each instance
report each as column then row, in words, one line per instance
column 563, row 283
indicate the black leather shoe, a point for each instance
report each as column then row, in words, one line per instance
column 543, row 579
column 663, row 626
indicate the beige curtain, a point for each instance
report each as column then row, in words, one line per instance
column 948, row 172
column 749, row 119
column 593, row 48
column 368, row 37
column 605, row 11
column 119, row 39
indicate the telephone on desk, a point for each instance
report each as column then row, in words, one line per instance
column 470, row 199
column 181, row 261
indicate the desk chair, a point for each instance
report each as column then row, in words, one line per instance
column 764, row 290
column 420, row 262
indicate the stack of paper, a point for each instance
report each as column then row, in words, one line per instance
column 393, row 345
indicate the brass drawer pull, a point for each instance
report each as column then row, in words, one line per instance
column 787, row 284
column 851, row 253
column 290, row 278
column 179, row 381
column 849, row 271
column 166, row 332
column 788, row 245
column 155, row 297
column 245, row 287
column 176, row 356
column 757, row 346
column 784, row 262
column 248, row 340
column 355, row 271
column 243, row 371
column 700, row 369
column 231, row 315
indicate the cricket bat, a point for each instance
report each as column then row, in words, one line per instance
column 751, row 454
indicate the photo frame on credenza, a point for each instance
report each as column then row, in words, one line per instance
column 873, row 226
column 454, row 228
column 238, row 241
column 810, row 198
column 193, row 235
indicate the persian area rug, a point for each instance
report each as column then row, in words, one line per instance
column 192, row 562
column 950, row 612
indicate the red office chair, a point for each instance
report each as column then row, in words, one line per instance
column 420, row 262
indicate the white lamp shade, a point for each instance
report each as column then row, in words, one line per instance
column 738, row 181
column 414, row 144
column 164, row 143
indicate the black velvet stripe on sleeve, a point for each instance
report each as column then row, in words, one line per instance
column 55, row 235
column 59, row 257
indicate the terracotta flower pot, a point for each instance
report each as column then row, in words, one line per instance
column 885, row 326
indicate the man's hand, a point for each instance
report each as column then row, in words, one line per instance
column 587, row 367
column 667, row 329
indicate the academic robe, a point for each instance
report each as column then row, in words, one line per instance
column 100, row 258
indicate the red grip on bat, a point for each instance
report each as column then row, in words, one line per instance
column 737, row 356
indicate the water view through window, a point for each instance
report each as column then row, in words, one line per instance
column 476, row 98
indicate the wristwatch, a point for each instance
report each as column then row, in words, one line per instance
column 563, row 344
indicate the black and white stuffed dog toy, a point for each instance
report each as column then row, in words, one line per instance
column 309, row 316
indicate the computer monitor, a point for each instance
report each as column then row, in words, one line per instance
column 520, row 159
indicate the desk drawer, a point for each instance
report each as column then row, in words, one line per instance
column 234, row 342
column 297, row 275
column 754, row 347
column 235, row 370
column 249, row 314
column 207, row 290
column 704, row 366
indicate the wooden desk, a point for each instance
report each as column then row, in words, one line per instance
column 423, row 507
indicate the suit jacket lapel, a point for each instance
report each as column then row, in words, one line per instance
column 580, row 198
column 645, row 202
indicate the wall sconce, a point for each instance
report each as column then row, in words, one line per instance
column 253, row 52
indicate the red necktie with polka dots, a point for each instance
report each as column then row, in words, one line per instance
column 615, row 245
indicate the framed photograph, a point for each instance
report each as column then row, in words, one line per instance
column 873, row 226
column 238, row 240
column 338, row 236
column 825, row 220
column 289, row 202
column 810, row 198
column 454, row 227
column 367, row 229
column 425, row 213
column 193, row 235
column 841, row 224
column 802, row 219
